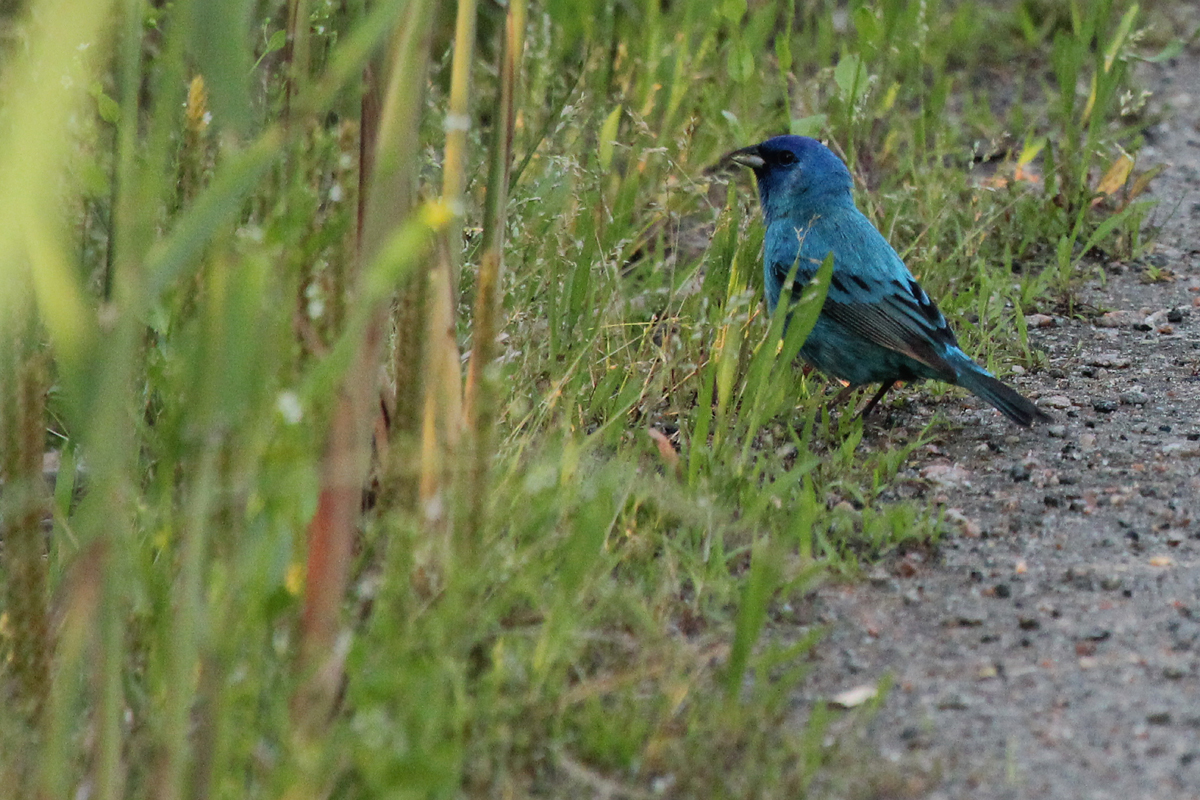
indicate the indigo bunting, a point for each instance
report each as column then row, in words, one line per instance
column 877, row 325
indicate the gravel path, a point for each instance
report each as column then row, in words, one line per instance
column 1051, row 648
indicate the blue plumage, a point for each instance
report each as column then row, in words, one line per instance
column 878, row 325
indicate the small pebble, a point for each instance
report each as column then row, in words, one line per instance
column 1133, row 397
column 1108, row 360
column 1057, row 431
column 970, row 618
column 1156, row 319
column 1119, row 319
column 1105, row 405
column 1188, row 449
column 952, row 702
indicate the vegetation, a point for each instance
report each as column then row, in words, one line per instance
column 414, row 425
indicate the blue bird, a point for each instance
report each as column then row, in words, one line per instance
column 877, row 325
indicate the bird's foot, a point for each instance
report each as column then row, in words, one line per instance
column 874, row 401
column 843, row 395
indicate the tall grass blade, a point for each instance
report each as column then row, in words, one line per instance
column 83, row 593
column 220, row 32
column 760, row 586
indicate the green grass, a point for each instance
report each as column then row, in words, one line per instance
column 663, row 486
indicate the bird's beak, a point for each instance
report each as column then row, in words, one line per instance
column 746, row 157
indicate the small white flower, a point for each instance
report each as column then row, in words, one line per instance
column 251, row 232
column 288, row 405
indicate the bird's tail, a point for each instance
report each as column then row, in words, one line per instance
column 1012, row 405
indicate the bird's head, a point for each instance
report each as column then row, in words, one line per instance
column 797, row 176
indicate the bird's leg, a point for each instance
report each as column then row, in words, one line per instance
column 841, row 396
column 875, row 400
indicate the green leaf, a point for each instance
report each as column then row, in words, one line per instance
column 809, row 126
column 761, row 584
column 775, row 354
column 276, row 42
column 867, row 25
column 1025, row 23
column 1065, row 56
column 608, row 137
column 807, row 308
column 1114, row 47
column 1173, row 48
column 94, row 179
column 220, row 202
column 850, row 75
column 221, row 46
column 783, row 42
column 740, row 62
column 108, row 109
column 783, row 54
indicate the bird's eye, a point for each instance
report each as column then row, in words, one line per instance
column 786, row 158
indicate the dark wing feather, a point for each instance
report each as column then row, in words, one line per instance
column 901, row 318
column 871, row 292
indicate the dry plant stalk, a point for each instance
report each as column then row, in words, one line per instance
column 83, row 598
column 394, row 186
column 481, row 402
column 389, row 175
column 193, row 155
column 443, row 391
column 22, row 441
column 297, row 55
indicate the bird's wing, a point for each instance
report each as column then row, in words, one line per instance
column 872, row 293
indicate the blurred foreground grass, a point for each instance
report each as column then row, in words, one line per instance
column 296, row 545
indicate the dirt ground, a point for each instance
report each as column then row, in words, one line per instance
column 1051, row 647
